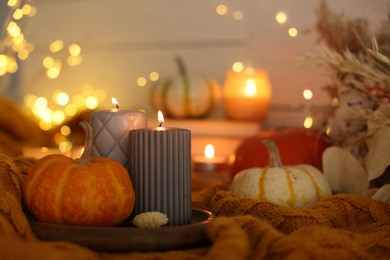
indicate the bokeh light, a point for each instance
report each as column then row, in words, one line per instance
column 281, row 17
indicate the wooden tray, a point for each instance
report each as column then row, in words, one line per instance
column 126, row 237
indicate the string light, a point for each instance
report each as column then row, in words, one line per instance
column 141, row 81
column 307, row 94
column 238, row 66
column 308, row 122
column 281, row 17
column 221, row 9
column 293, row 32
column 238, row 15
column 154, row 76
column 63, row 107
column 54, row 66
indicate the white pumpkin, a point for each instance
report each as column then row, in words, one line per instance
column 290, row 186
column 185, row 96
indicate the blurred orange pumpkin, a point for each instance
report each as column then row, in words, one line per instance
column 92, row 191
column 296, row 146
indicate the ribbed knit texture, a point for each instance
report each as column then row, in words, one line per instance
column 343, row 226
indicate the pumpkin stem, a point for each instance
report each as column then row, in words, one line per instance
column 86, row 156
column 181, row 67
column 186, row 84
column 273, row 151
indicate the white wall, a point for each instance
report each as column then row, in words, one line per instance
column 124, row 39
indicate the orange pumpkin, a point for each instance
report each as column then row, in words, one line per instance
column 92, row 191
column 296, row 146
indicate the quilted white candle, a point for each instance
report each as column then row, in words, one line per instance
column 111, row 132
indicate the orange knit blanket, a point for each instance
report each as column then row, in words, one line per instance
column 343, row 226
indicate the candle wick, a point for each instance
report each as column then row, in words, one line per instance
column 161, row 124
column 117, row 106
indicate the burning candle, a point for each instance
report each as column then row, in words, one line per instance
column 209, row 167
column 111, row 131
column 209, row 161
column 247, row 95
column 160, row 169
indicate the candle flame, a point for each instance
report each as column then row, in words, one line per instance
column 250, row 88
column 209, row 151
column 160, row 118
column 115, row 102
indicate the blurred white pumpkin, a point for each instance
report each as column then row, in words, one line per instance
column 290, row 186
column 185, row 96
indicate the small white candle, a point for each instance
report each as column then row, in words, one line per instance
column 111, row 131
column 209, row 161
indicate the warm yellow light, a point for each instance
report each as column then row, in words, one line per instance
column 41, row 103
column 48, row 62
column 45, row 114
column 12, row 3
column 27, row 9
column 74, row 60
column 250, row 88
column 65, row 130
column 221, row 9
column 23, row 54
column 293, row 32
column 91, row 102
column 246, row 96
column 141, row 81
column 3, row 70
column 33, row 11
column 308, row 122
column 58, row 117
column 62, row 98
column 71, row 109
column 10, row 64
column 3, row 60
column 13, row 29
column 44, row 125
column 238, row 66
column 59, row 138
column 53, row 72
column 307, row 94
column 238, row 15
column 209, row 151
column 115, row 102
column 160, row 118
column 12, row 68
column 18, row 14
column 29, row 100
column 74, row 49
column 154, row 76
column 56, row 46
column 65, row 146
column 281, row 17
column 19, row 40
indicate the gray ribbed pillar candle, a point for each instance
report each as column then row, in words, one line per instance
column 160, row 169
column 111, row 132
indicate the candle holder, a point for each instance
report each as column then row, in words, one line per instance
column 246, row 95
column 208, row 167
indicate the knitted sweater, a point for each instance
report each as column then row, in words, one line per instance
column 343, row 226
